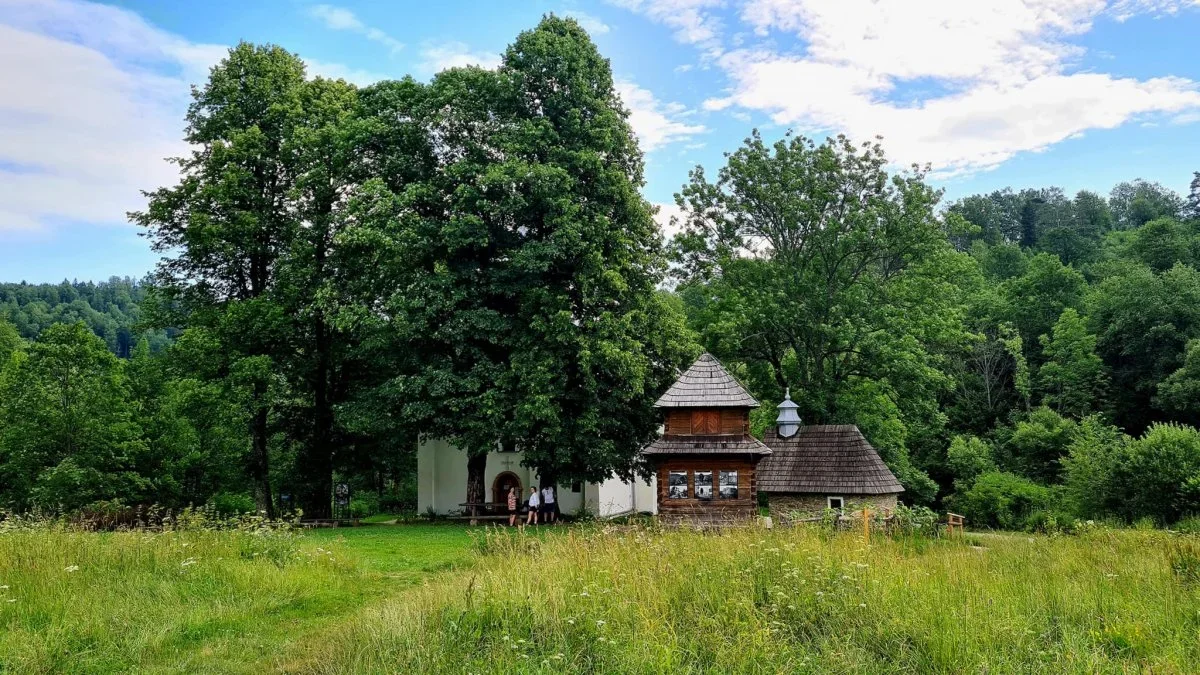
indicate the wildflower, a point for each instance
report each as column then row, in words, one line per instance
column 71, row 568
column 571, row 621
column 4, row 588
column 189, row 561
column 13, row 600
column 583, row 594
column 862, row 604
column 600, row 622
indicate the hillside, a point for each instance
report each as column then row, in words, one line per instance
column 109, row 308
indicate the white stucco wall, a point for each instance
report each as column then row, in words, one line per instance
column 442, row 484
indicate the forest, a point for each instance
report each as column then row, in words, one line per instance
column 471, row 258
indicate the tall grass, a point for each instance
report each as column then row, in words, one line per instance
column 181, row 601
column 636, row 600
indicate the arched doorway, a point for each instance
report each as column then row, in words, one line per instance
column 500, row 487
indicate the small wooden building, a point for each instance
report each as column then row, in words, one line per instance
column 706, row 459
column 825, row 466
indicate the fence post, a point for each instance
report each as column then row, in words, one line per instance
column 866, row 516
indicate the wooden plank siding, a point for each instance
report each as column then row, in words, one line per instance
column 744, row 507
column 706, row 422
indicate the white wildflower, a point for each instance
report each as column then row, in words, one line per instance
column 71, row 568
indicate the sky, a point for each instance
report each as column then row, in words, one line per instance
column 1081, row 94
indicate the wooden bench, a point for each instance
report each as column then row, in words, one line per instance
column 954, row 520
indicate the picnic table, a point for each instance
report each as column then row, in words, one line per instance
column 493, row 511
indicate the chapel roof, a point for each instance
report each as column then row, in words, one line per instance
column 706, row 384
column 824, row 459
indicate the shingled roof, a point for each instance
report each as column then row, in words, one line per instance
column 824, row 459
column 706, row 384
column 707, row 445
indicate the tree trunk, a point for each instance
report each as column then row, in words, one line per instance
column 476, row 465
column 316, row 462
column 260, row 457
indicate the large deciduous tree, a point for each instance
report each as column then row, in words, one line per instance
column 516, row 263
column 225, row 226
column 824, row 273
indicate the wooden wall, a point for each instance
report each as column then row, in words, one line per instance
column 716, row 510
column 707, row 422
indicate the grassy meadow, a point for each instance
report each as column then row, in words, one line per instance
column 600, row 599
column 626, row 600
column 197, row 600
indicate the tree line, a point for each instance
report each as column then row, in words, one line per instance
column 109, row 308
column 347, row 269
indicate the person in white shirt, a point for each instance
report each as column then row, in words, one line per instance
column 534, row 503
column 548, row 512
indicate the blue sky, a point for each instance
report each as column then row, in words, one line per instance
column 992, row 93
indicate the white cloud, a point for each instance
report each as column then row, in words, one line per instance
column 692, row 21
column 655, row 123
column 92, row 100
column 990, row 78
column 437, row 57
column 340, row 18
column 85, row 124
column 1123, row 10
column 590, row 23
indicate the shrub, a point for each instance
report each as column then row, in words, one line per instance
column 914, row 521
column 1004, row 500
column 227, row 504
column 1159, row 473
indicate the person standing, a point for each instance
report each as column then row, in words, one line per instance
column 548, row 513
column 534, row 504
column 512, row 506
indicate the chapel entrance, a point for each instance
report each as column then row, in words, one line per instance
column 500, row 487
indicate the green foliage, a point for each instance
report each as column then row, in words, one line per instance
column 846, row 298
column 967, row 458
column 1036, row 444
column 1072, row 379
column 1179, row 393
column 1135, row 203
column 1163, row 242
column 67, row 433
column 1036, row 299
column 1159, row 473
column 1142, row 322
column 1001, row 499
column 111, row 309
column 1091, row 468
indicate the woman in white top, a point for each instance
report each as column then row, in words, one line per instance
column 548, row 514
column 534, row 503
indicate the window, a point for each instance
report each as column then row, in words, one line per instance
column 704, row 485
column 729, row 485
column 576, row 487
column 677, row 485
column 836, row 503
